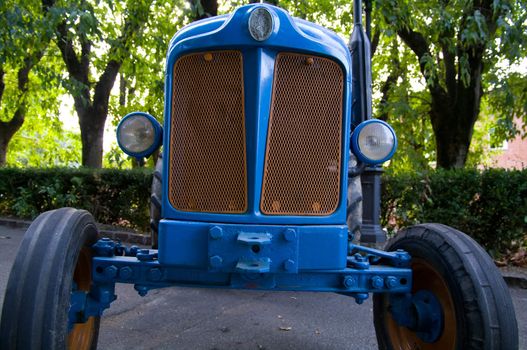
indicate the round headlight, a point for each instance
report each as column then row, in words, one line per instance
column 260, row 24
column 373, row 141
column 139, row 134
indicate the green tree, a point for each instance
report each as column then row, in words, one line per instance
column 24, row 39
column 458, row 46
column 42, row 140
column 201, row 9
column 142, row 74
column 95, row 38
column 507, row 100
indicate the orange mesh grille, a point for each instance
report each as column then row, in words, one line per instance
column 207, row 143
column 302, row 163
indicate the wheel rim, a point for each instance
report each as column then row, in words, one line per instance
column 425, row 276
column 82, row 334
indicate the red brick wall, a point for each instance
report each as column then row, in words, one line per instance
column 514, row 157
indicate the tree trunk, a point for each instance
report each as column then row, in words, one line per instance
column 3, row 151
column 92, row 136
column 7, row 130
column 454, row 109
column 93, row 111
column 453, row 116
column 92, row 116
column 452, row 141
column 456, row 95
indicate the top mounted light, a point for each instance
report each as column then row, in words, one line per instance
column 261, row 24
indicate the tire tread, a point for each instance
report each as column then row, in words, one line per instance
column 38, row 285
column 483, row 290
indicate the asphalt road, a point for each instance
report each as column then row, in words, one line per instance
column 192, row 318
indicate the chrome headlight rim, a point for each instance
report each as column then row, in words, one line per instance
column 158, row 135
column 355, row 142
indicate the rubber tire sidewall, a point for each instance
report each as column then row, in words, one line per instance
column 471, row 277
column 155, row 201
column 37, row 300
column 354, row 202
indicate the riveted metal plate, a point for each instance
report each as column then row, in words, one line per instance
column 253, row 250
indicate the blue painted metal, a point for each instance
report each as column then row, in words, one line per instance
column 290, row 35
column 355, row 142
column 85, row 304
column 250, row 250
column 151, row 274
column 191, row 244
column 420, row 312
column 158, row 138
column 398, row 258
column 247, row 272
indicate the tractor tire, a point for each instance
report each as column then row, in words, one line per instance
column 354, row 203
column 476, row 305
column 54, row 258
column 155, row 200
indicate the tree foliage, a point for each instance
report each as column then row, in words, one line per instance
column 93, row 46
column 458, row 47
column 24, row 40
column 436, row 65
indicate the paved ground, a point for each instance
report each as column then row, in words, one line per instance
column 190, row 318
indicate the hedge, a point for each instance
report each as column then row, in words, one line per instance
column 490, row 205
column 114, row 197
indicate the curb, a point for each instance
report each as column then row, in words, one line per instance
column 112, row 232
column 514, row 277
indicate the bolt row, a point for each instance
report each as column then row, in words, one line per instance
column 377, row 282
column 126, row 273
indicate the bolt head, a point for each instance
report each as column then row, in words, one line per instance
column 289, row 265
column 141, row 290
column 125, row 272
column 349, row 282
column 377, row 282
column 106, row 297
column 360, row 297
column 391, row 282
column 289, row 235
column 216, row 261
column 110, row 271
column 155, row 274
column 216, row 232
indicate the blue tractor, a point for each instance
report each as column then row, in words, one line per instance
column 267, row 128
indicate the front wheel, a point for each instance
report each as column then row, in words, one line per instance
column 54, row 260
column 453, row 271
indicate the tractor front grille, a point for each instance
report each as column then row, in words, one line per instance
column 303, row 157
column 207, row 171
